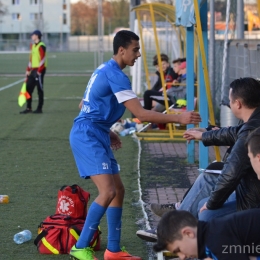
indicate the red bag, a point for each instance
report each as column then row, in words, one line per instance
column 58, row 233
column 72, row 201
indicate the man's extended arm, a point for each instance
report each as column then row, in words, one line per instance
column 225, row 136
column 236, row 166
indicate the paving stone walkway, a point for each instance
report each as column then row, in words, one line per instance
column 165, row 174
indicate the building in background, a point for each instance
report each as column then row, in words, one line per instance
column 52, row 17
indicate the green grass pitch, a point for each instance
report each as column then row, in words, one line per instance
column 36, row 159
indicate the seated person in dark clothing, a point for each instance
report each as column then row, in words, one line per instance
column 158, row 84
column 232, row 237
column 156, row 91
column 174, row 92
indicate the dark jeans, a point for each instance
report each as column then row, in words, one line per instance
column 199, row 194
column 32, row 81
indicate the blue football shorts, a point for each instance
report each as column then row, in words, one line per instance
column 91, row 149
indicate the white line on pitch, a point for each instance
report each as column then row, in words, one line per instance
column 12, row 84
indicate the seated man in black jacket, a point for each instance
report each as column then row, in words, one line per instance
column 236, row 188
column 233, row 237
column 237, row 174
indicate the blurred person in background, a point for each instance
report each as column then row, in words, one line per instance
column 35, row 72
column 156, row 93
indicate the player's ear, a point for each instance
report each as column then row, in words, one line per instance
column 121, row 50
column 188, row 231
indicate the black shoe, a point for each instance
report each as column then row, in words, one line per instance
column 26, row 111
column 37, row 111
column 147, row 235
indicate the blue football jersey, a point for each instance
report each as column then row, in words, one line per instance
column 105, row 93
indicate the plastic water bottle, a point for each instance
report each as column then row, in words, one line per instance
column 127, row 131
column 4, row 199
column 22, row 237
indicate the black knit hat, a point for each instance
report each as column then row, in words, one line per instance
column 37, row 32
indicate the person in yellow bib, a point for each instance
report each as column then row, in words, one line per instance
column 35, row 72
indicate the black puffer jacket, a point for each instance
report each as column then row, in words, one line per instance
column 237, row 173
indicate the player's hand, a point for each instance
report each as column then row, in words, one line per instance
column 204, row 207
column 190, row 117
column 80, row 104
column 192, row 135
column 115, row 141
column 27, row 73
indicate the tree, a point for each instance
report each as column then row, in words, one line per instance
column 120, row 14
column 84, row 18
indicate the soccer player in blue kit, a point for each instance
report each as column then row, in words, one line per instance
column 107, row 95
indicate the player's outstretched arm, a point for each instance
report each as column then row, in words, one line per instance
column 135, row 107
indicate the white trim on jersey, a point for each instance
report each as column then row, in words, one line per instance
column 125, row 95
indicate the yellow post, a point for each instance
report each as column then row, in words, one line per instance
column 143, row 50
column 258, row 7
column 160, row 66
column 205, row 71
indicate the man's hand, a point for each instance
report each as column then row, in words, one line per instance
column 115, row 141
column 190, row 117
column 192, row 135
column 204, row 207
column 27, row 73
column 198, row 129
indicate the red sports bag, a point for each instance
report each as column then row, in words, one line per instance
column 58, row 233
column 72, row 201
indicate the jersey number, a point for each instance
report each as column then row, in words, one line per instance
column 89, row 86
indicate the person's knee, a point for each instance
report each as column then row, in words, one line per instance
column 108, row 194
column 120, row 191
column 147, row 93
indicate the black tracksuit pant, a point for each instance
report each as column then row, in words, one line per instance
column 150, row 95
column 32, row 81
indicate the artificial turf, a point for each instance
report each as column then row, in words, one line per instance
column 36, row 160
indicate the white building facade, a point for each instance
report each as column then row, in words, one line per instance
column 51, row 17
